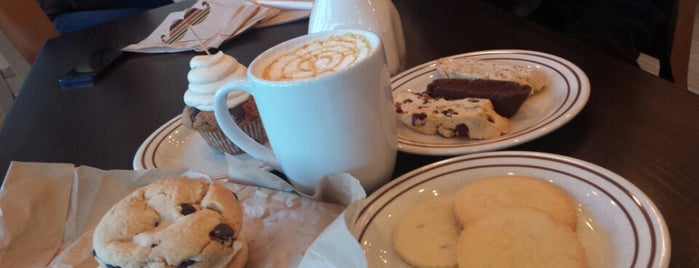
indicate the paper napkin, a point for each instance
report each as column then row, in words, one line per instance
column 340, row 188
column 208, row 23
column 335, row 246
column 49, row 211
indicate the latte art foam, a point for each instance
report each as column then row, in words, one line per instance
column 318, row 57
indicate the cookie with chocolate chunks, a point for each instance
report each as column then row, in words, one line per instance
column 178, row 222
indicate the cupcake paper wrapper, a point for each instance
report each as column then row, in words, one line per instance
column 217, row 140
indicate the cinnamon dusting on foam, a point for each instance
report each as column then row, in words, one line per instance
column 318, row 57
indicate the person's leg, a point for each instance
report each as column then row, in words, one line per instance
column 80, row 20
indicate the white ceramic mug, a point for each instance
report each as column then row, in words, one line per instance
column 335, row 122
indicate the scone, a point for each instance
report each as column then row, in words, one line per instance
column 519, row 237
column 427, row 234
column 173, row 223
column 469, row 118
column 492, row 70
column 493, row 195
column 207, row 74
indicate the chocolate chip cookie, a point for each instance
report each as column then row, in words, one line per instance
column 178, row 222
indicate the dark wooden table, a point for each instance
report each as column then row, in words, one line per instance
column 635, row 124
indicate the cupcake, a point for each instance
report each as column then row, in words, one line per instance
column 207, row 74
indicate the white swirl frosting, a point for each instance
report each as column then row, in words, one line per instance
column 208, row 73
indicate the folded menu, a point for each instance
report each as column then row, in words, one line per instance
column 208, row 23
column 49, row 211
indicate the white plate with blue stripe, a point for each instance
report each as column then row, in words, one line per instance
column 563, row 97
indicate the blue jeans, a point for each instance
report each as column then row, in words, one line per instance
column 75, row 21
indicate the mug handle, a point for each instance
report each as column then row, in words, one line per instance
column 233, row 131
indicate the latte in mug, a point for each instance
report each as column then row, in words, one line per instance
column 318, row 57
column 325, row 101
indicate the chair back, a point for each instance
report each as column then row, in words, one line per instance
column 673, row 42
column 26, row 26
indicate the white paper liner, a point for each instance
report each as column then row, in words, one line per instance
column 336, row 246
column 49, row 211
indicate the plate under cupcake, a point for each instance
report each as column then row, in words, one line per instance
column 173, row 145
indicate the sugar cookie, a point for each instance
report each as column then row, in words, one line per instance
column 426, row 236
column 519, row 237
column 493, row 194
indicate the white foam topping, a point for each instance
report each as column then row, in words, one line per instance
column 318, row 57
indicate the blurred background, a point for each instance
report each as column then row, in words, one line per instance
column 14, row 68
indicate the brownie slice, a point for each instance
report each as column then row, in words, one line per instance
column 506, row 96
